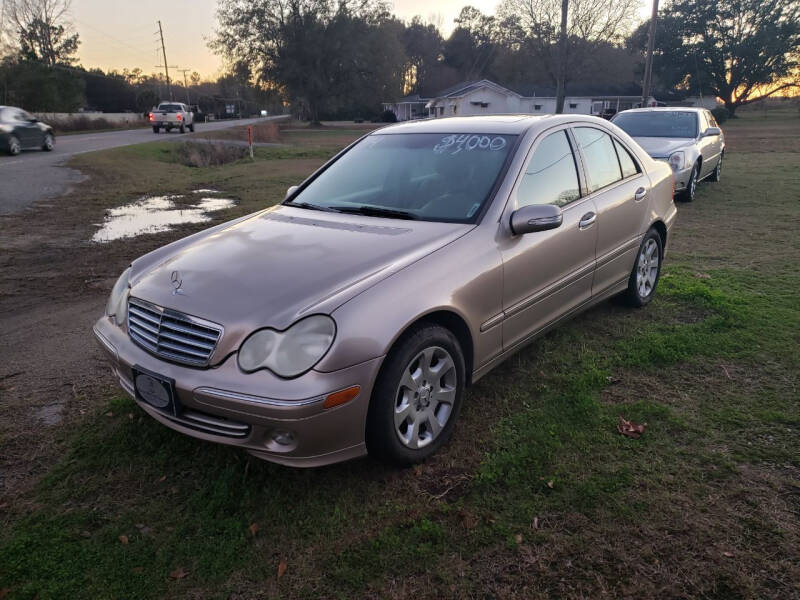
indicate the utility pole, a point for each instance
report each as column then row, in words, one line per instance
column 648, row 66
column 166, row 68
column 185, row 85
column 561, row 71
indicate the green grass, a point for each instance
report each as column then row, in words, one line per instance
column 536, row 496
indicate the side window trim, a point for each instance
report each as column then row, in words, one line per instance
column 582, row 187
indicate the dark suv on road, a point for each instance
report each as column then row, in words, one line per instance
column 20, row 131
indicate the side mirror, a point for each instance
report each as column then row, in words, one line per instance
column 33, row 120
column 712, row 131
column 535, row 217
column 290, row 191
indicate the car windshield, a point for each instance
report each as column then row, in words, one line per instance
column 170, row 107
column 426, row 176
column 667, row 124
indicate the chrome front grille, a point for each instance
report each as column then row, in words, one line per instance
column 170, row 334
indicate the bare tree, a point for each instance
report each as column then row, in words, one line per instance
column 563, row 31
column 42, row 29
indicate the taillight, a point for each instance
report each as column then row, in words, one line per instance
column 180, row 117
column 150, row 116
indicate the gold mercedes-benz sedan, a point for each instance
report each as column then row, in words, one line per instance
column 351, row 318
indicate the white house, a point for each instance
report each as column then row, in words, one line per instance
column 485, row 97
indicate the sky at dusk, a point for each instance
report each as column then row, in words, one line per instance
column 116, row 35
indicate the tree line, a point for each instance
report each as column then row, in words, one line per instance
column 343, row 58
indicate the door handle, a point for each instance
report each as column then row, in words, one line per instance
column 640, row 194
column 587, row 220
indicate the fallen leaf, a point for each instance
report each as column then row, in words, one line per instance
column 629, row 428
column 535, row 523
column 702, row 275
column 109, row 414
column 253, row 529
column 130, row 416
column 550, row 484
column 178, row 573
column 162, row 478
column 518, row 538
column 281, row 568
column 123, row 539
column 86, row 534
column 468, row 520
column 610, row 379
column 728, row 554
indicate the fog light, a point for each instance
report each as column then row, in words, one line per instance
column 283, row 438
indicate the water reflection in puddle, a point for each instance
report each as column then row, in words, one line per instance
column 156, row 214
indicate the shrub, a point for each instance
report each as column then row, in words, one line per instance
column 87, row 123
column 210, row 154
column 721, row 114
column 388, row 116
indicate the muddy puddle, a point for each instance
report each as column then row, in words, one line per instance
column 154, row 214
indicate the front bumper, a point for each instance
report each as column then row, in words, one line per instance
column 681, row 175
column 226, row 406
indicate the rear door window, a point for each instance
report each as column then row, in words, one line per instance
column 627, row 163
column 602, row 165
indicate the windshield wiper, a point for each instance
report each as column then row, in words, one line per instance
column 377, row 211
column 310, row 206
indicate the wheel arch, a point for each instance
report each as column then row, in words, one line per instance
column 661, row 228
column 455, row 324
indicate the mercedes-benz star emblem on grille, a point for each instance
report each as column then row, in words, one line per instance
column 177, row 282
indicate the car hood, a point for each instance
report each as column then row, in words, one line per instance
column 271, row 268
column 660, row 147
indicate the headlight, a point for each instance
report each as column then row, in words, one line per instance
column 117, row 305
column 288, row 353
column 677, row 160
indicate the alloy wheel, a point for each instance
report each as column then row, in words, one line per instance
column 425, row 397
column 14, row 147
column 647, row 268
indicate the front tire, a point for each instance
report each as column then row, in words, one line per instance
column 646, row 270
column 183, row 128
column 14, row 146
column 417, row 397
column 48, row 143
column 691, row 186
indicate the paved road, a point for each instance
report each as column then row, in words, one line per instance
column 35, row 175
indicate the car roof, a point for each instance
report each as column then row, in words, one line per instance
column 666, row 109
column 488, row 124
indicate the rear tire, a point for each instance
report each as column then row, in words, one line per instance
column 417, row 397
column 183, row 128
column 717, row 173
column 688, row 194
column 191, row 127
column 646, row 270
column 14, row 146
column 155, row 129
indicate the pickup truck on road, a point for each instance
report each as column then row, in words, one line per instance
column 172, row 114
